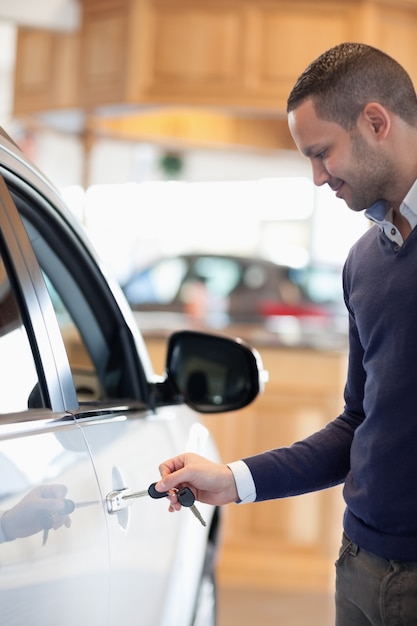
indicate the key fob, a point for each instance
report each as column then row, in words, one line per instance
column 156, row 494
column 186, row 497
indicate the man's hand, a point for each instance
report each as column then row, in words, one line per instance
column 212, row 483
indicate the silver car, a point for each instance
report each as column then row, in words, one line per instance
column 84, row 424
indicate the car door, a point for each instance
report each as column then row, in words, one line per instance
column 154, row 558
column 53, row 568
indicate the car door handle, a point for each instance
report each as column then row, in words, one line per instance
column 116, row 501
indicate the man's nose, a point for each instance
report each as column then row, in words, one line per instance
column 320, row 174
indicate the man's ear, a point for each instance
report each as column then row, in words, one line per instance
column 375, row 119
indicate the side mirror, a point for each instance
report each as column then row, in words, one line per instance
column 212, row 373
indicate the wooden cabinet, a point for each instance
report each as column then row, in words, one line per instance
column 290, row 543
column 107, row 46
column 239, row 54
column 46, row 75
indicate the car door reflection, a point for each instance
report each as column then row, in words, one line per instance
column 54, row 566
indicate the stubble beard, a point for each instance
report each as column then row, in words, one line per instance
column 372, row 178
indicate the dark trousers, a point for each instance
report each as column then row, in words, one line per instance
column 371, row 591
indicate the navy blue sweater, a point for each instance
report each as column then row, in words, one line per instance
column 372, row 445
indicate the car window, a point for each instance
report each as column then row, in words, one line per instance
column 100, row 348
column 219, row 275
column 157, row 284
column 86, row 378
column 320, row 284
column 94, row 357
column 18, row 376
column 255, row 277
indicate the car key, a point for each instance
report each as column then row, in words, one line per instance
column 185, row 498
column 151, row 491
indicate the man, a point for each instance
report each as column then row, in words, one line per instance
column 353, row 113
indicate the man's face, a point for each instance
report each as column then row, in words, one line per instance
column 357, row 172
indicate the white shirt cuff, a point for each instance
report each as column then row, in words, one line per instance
column 244, row 482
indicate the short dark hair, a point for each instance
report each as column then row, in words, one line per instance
column 344, row 79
